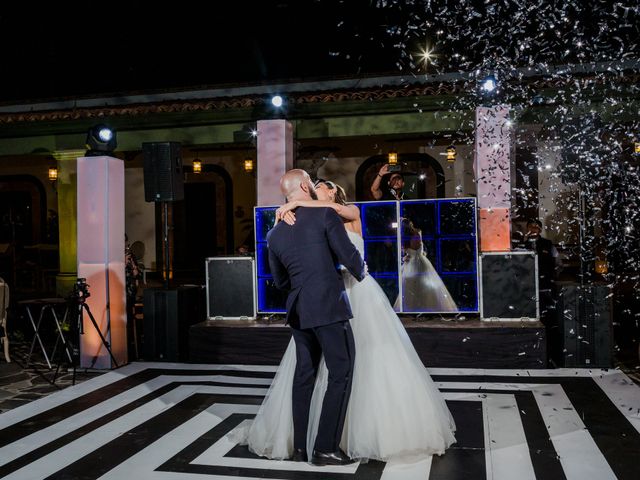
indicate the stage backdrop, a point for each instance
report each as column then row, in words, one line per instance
column 423, row 253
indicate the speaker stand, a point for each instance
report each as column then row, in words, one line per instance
column 165, row 243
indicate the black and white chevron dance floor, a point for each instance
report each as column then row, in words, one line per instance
column 172, row 421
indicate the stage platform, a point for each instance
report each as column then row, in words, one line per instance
column 448, row 344
column 164, row 421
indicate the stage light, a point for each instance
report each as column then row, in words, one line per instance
column 105, row 134
column 392, row 158
column 489, row 84
column 101, row 140
column 248, row 165
column 197, row 166
column 277, row 101
column 53, row 173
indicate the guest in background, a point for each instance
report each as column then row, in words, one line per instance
column 132, row 276
column 387, row 185
column 548, row 265
column 548, row 257
column 243, row 250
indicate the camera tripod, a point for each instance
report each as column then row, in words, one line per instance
column 79, row 296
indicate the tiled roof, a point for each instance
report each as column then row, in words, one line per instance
column 250, row 101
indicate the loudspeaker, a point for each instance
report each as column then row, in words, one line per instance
column 163, row 175
column 168, row 314
column 509, row 286
column 584, row 317
column 231, row 286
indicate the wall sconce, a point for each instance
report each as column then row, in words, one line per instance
column 53, row 173
column 393, row 157
column 197, row 166
column 602, row 267
column 451, row 154
column 248, row 165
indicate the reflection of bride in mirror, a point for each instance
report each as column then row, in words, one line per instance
column 422, row 287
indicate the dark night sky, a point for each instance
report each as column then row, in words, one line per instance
column 56, row 49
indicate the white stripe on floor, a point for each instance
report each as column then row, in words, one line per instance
column 580, row 457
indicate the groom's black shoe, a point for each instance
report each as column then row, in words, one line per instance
column 321, row 459
column 299, row 455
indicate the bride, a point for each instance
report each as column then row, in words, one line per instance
column 422, row 287
column 395, row 409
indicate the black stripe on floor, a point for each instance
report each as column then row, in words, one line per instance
column 67, row 409
column 465, row 459
column 544, row 458
column 113, row 453
column 614, row 435
column 99, row 422
column 181, row 463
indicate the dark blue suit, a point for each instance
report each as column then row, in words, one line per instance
column 303, row 259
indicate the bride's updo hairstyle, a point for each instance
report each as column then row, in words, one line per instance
column 340, row 196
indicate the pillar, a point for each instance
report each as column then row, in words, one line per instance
column 492, row 168
column 275, row 157
column 101, row 259
column 67, row 212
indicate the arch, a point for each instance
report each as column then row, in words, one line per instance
column 185, row 216
column 33, row 185
column 228, row 187
column 411, row 160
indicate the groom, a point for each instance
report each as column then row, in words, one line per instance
column 303, row 259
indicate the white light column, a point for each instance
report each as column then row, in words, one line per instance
column 492, row 168
column 101, row 258
column 275, row 157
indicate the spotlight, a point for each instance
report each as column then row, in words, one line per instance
column 101, row 140
column 489, row 84
column 105, row 134
column 276, row 101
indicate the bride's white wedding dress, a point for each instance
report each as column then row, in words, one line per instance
column 395, row 409
column 422, row 287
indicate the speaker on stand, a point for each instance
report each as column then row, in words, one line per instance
column 166, row 310
column 168, row 314
column 584, row 316
column 163, row 175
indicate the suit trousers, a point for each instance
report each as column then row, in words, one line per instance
column 335, row 342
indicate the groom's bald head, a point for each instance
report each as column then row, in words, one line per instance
column 296, row 185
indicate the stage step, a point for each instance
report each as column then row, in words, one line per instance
column 439, row 343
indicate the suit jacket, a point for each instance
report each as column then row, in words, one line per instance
column 303, row 259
